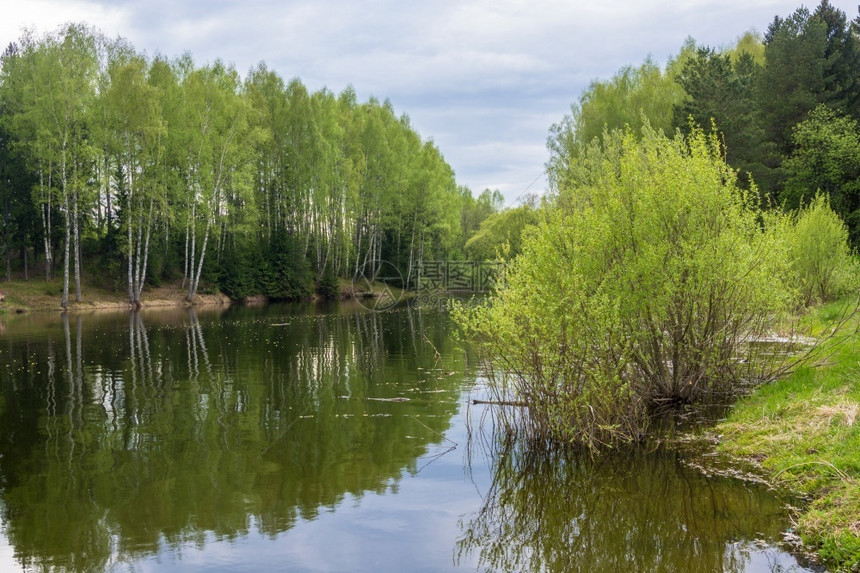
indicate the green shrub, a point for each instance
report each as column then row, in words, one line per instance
column 647, row 283
column 822, row 266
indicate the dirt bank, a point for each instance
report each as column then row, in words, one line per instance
column 44, row 296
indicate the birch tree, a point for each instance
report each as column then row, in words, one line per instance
column 138, row 129
column 217, row 125
column 53, row 106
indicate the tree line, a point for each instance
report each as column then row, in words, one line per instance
column 142, row 170
column 785, row 106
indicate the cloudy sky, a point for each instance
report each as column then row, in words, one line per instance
column 484, row 79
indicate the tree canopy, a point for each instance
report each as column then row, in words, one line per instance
column 160, row 168
column 766, row 98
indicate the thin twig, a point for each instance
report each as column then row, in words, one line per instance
column 443, row 436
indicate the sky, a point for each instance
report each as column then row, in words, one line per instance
column 485, row 80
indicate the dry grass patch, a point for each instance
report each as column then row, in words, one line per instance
column 844, row 413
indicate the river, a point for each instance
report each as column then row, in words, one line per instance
column 323, row 438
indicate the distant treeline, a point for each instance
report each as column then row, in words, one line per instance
column 139, row 170
column 785, row 105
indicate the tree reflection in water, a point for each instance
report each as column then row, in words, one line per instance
column 124, row 438
column 549, row 509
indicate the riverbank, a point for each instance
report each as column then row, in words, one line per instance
column 38, row 295
column 41, row 295
column 804, row 433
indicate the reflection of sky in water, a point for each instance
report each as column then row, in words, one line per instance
column 414, row 529
column 7, row 554
column 765, row 558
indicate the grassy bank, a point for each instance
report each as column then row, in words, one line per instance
column 804, row 431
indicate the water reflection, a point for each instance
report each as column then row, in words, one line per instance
column 129, row 441
column 628, row 511
column 124, row 438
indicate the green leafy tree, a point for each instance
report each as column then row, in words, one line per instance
column 633, row 98
column 794, row 77
column 19, row 117
column 842, row 59
column 18, row 211
column 138, row 129
column 822, row 265
column 217, row 127
column 811, row 58
column 501, row 234
column 49, row 88
column 474, row 211
column 750, row 43
column 180, row 169
column 64, row 71
column 826, row 159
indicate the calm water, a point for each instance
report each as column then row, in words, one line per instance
column 256, row 439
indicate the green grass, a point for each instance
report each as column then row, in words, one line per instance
column 805, row 432
column 25, row 295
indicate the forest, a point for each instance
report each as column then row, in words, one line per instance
column 785, row 106
column 695, row 211
column 140, row 170
column 137, row 170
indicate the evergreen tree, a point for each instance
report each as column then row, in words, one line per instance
column 721, row 94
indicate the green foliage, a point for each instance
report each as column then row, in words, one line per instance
column 750, row 44
column 758, row 91
column 501, row 234
column 328, row 285
column 812, row 58
column 721, row 96
column 237, row 271
column 633, row 98
column 826, row 159
column 288, row 273
column 841, row 57
column 207, row 166
column 794, row 77
column 17, row 210
column 642, row 286
column 822, row 265
column 473, row 212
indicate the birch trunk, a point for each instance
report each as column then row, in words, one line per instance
column 195, row 279
column 64, row 302
column 77, row 246
column 145, row 255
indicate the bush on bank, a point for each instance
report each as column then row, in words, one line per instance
column 650, row 280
